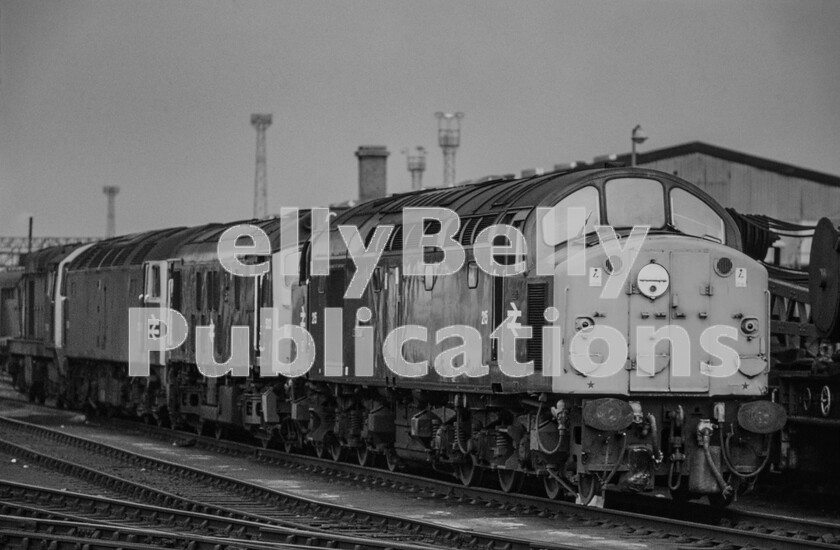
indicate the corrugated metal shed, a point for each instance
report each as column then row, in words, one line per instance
column 753, row 185
column 749, row 184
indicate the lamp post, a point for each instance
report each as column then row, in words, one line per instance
column 637, row 136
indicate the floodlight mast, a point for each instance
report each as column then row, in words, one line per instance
column 449, row 139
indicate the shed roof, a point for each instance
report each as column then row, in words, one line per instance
column 732, row 156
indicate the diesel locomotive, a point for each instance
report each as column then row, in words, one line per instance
column 599, row 327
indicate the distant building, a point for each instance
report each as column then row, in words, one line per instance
column 749, row 184
column 752, row 185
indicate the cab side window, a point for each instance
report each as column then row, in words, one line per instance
column 555, row 226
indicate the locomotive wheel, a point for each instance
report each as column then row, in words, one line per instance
column 589, row 486
column 333, row 445
column 203, row 427
column 392, row 460
column 320, row 450
column 510, row 480
column 552, row 488
column 363, row 455
column 162, row 419
column 289, row 435
column 220, row 432
column 469, row 472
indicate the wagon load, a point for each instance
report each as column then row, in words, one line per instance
column 824, row 279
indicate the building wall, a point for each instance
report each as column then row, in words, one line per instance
column 751, row 190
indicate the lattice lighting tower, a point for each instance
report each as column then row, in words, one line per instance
column 449, row 138
column 261, row 122
column 111, row 227
column 416, row 165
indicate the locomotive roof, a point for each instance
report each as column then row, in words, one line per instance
column 9, row 278
column 480, row 205
column 203, row 243
column 39, row 260
column 131, row 249
column 192, row 243
column 478, row 199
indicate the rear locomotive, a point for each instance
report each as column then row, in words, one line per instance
column 599, row 353
column 34, row 310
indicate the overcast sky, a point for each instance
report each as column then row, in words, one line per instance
column 156, row 96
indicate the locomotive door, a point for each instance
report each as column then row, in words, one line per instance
column 60, row 297
column 156, row 293
column 388, row 317
column 315, row 301
column 319, row 298
column 678, row 317
column 284, row 278
column 690, row 308
column 649, row 314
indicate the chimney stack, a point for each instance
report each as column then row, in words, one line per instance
column 111, row 227
column 373, row 162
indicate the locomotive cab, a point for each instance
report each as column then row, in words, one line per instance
column 665, row 335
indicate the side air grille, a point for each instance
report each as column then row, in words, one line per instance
column 536, row 304
column 396, row 239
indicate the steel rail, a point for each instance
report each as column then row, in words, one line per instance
column 751, row 528
column 87, row 534
column 20, row 499
column 663, row 515
column 441, row 534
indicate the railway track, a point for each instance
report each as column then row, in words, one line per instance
column 660, row 517
column 114, row 519
column 207, row 493
column 738, row 529
column 26, row 532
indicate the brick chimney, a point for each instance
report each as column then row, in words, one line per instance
column 373, row 162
